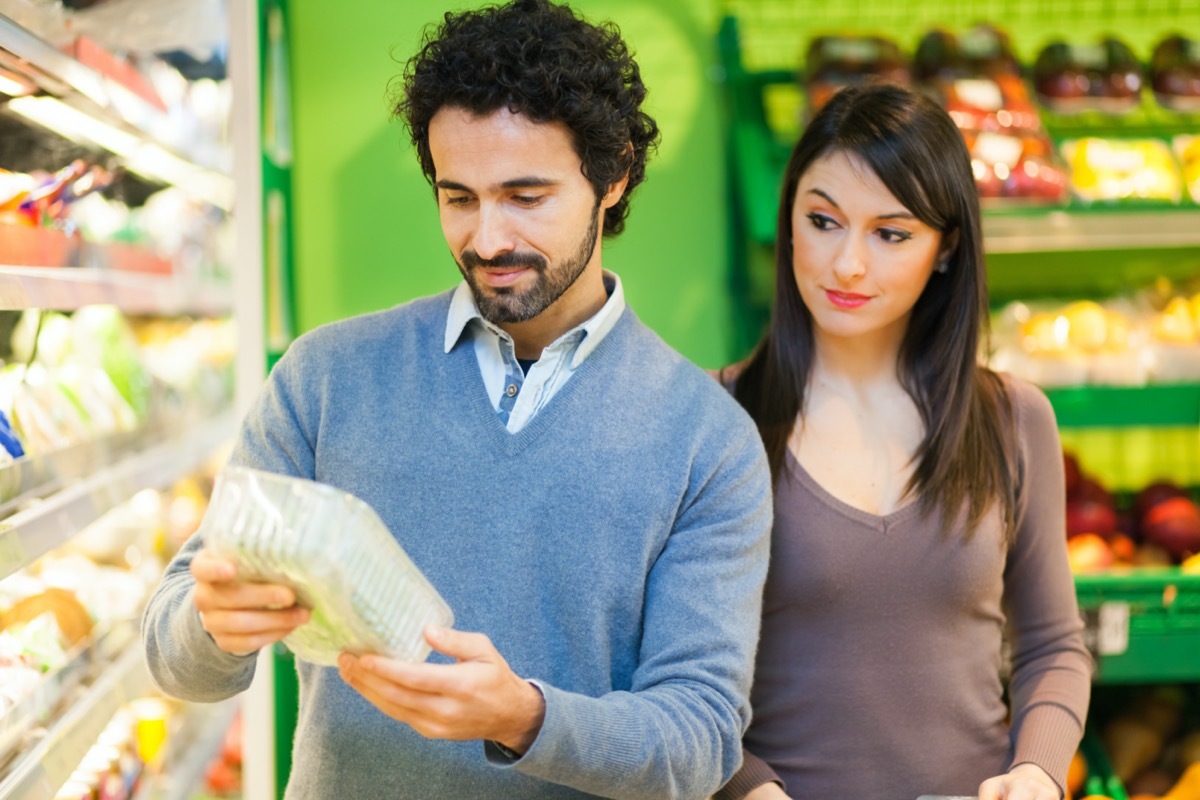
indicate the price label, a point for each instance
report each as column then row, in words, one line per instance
column 1112, row 636
column 1106, row 629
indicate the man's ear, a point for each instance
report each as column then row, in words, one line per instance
column 617, row 187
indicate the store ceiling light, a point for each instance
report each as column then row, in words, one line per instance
column 146, row 159
column 13, row 85
column 52, row 113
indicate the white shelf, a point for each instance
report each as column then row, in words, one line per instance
column 128, row 126
column 39, row 773
column 68, row 288
column 1124, row 229
column 50, row 522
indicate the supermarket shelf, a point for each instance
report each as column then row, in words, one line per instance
column 49, row 523
column 1142, row 625
column 131, row 125
column 1058, row 229
column 759, row 153
column 41, row 771
column 1162, row 405
column 69, row 288
column 191, row 747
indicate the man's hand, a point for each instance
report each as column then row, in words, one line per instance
column 1023, row 782
column 479, row 697
column 242, row 617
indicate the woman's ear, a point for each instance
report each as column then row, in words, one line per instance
column 947, row 250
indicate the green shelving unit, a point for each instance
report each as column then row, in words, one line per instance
column 1166, row 405
column 1144, row 624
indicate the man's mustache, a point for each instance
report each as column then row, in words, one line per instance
column 471, row 260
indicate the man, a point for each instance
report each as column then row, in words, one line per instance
column 594, row 509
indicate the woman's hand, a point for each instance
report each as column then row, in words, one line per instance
column 768, row 791
column 1022, row 782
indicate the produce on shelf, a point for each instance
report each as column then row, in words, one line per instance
column 1153, row 743
column 1187, row 147
column 1109, row 169
column 1175, row 73
column 834, row 62
column 92, row 374
column 1161, row 526
column 1151, row 336
column 978, row 80
column 1104, row 76
column 223, row 778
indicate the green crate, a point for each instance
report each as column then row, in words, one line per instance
column 1100, row 779
column 1142, row 625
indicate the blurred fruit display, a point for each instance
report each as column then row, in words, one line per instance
column 1175, row 72
column 1104, row 76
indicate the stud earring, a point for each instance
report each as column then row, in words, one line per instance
column 943, row 266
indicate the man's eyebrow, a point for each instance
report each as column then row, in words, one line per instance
column 529, row 182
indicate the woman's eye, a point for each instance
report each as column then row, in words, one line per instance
column 893, row 236
column 820, row 221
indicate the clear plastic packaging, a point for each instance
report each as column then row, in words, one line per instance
column 366, row 595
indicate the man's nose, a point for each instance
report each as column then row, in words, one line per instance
column 493, row 233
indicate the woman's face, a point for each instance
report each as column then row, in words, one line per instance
column 860, row 258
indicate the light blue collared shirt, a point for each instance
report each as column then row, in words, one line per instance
column 515, row 395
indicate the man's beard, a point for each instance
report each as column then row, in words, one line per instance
column 504, row 304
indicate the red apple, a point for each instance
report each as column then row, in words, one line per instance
column 1090, row 489
column 1090, row 516
column 1087, row 552
column 1174, row 525
column 1152, row 495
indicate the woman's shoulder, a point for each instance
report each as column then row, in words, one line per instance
column 1032, row 412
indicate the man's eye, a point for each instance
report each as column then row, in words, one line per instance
column 527, row 199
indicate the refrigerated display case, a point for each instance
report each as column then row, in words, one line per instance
column 75, row 101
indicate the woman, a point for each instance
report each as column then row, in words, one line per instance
column 919, row 496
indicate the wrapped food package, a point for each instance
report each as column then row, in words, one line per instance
column 334, row 551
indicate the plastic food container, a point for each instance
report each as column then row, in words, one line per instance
column 334, row 551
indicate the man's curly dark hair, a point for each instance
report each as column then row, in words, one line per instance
column 538, row 59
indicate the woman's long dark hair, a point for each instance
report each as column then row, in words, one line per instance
column 967, row 454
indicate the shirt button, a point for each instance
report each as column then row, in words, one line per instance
column 511, row 391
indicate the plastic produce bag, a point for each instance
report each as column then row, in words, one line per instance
column 334, row 551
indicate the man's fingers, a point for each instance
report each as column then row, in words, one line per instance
column 460, row 645
column 234, row 596
column 211, row 568
column 253, row 623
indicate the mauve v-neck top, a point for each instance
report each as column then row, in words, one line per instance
column 879, row 668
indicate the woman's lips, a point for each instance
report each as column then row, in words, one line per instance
column 846, row 299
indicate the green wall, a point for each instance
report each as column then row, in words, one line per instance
column 366, row 226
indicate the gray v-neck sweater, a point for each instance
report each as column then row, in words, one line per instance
column 614, row 549
column 879, row 668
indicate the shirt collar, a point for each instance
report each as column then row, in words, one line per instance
column 463, row 311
